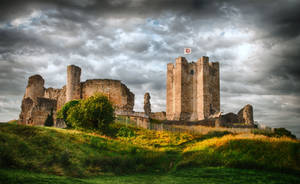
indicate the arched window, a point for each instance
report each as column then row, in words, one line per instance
column 192, row 72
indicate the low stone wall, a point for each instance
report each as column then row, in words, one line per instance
column 158, row 115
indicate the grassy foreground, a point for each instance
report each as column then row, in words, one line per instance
column 208, row 175
column 64, row 156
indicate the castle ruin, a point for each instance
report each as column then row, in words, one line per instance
column 192, row 95
column 193, row 89
column 39, row 101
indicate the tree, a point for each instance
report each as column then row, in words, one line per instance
column 63, row 112
column 49, row 121
column 95, row 112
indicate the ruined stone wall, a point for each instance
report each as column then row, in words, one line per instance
column 26, row 107
column 117, row 92
column 41, row 110
column 158, row 115
column 38, row 102
column 56, row 94
column 193, row 89
column 147, row 104
column 245, row 115
column 35, row 87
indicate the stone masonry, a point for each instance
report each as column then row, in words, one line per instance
column 147, row 104
column 193, row 89
column 38, row 101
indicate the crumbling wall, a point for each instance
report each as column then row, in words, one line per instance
column 244, row 116
column 38, row 102
column 26, row 108
column 35, row 87
column 35, row 108
column 117, row 92
column 147, row 104
column 42, row 109
column 56, row 94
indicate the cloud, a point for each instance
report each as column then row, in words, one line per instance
column 256, row 43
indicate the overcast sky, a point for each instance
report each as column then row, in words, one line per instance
column 256, row 42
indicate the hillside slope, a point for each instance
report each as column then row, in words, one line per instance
column 81, row 154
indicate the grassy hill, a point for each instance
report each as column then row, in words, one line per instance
column 40, row 154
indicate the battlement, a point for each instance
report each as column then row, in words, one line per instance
column 203, row 59
column 182, row 60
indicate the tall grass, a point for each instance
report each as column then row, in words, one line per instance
column 245, row 151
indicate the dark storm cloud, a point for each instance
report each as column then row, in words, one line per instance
column 133, row 40
column 281, row 18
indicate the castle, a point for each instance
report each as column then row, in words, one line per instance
column 192, row 94
column 193, row 89
column 38, row 102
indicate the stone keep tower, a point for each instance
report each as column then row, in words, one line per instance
column 73, row 86
column 193, row 89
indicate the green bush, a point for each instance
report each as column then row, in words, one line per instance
column 94, row 113
column 63, row 112
column 279, row 132
column 125, row 132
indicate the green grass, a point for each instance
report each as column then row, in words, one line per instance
column 208, row 175
column 75, row 153
column 145, row 154
column 245, row 151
